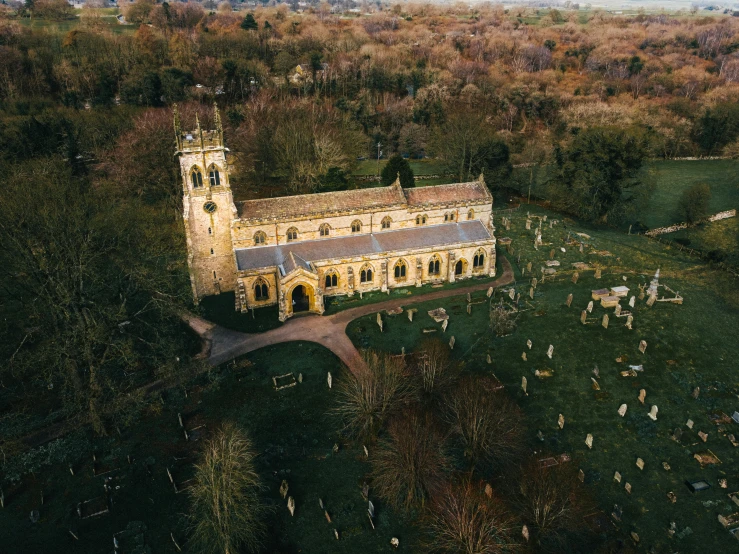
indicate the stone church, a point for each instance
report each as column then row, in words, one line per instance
column 295, row 250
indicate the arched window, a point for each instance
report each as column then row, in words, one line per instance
column 386, row 221
column 471, row 214
column 356, row 226
column 421, row 219
column 324, row 230
column 332, row 279
column 400, row 270
column 196, row 177
column 434, row 266
column 449, row 216
column 292, row 234
column 261, row 290
column 478, row 262
column 366, row 275
column 214, row 176
column 260, row 237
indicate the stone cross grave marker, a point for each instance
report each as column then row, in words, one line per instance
column 632, row 301
column 642, row 395
column 561, row 421
column 653, row 412
column 569, row 300
column 575, row 277
column 524, row 384
column 589, row 441
column 622, row 410
column 640, row 463
column 604, row 323
column 550, row 351
column 642, row 346
column 583, row 316
column 590, row 307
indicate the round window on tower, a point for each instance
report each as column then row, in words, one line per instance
column 209, row 207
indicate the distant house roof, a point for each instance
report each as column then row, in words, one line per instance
column 292, row 255
column 371, row 199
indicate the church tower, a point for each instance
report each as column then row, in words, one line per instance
column 208, row 207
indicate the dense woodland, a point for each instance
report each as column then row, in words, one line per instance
column 91, row 243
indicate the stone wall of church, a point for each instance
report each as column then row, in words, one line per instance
column 309, row 229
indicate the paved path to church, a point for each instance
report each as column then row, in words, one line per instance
column 329, row 331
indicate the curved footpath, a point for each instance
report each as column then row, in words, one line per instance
column 328, row 331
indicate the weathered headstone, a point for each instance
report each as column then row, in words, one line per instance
column 444, row 325
column 689, row 424
column 597, row 273
column 534, row 282
column 632, row 301
column 653, row 412
column 524, row 384
column 561, row 421
column 703, row 436
column 696, row 392
column 528, row 267
column 604, row 322
column 551, row 254
column 529, row 343
column 410, row 315
column 617, row 310
column 622, row 410
column 642, row 346
column 629, row 321
column 469, row 298
column 595, row 385
column 329, row 379
column 569, row 300
column 590, row 307
column 379, row 321
column 642, row 395
column 581, row 248
column 512, row 294
column 525, row 533
column 523, row 356
column 617, row 477
column 550, row 351
column 640, row 463
column 489, row 360
column 581, row 476
column 651, row 300
column 627, row 487
column 589, row 440
column 469, row 309
column 451, row 343
column 528, row 224
column 531, row 293
column 283, row 489
column 490, row 291
column 291, row 505
column 583, row 316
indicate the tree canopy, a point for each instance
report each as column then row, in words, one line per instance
column 397, row 165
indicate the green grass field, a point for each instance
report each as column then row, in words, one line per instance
column 689, row 345
column 292, row 431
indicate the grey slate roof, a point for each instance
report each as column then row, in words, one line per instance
column 299, row 254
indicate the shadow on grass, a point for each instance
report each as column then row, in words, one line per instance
column 220, row 309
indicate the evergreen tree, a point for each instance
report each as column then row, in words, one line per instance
column 249, row 23
column 398, row 165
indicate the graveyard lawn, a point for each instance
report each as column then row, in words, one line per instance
column 293, row 434
column 688, row 345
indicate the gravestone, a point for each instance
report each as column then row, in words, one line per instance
column 524, row 383
column 489, row 360
column 632, row 301
column 283, row 489
column 617, row 311
column 627, row 487
column 590, row 307
column 622, row 410
column 604, row 323
column 665, row 466
column 703, row 436
column 512, row 294
column 534, row 282
column 651, row 300
column 677, row 434
column 597, row 273
column 531, row 293
column 523, row 271
column 551, row 254
column 581, row 476
column 379, row 321
column 540, row 435
column 444, row 325
column 696, row 392
column 528, row 224
column 642, row 395
column 653, row 412
column 640, row 463
column 366, row 452
column 523, row 356
column 490, row 291
column 583, row 316
column 469, row 309
column 561, row 421
column 410, row 315
column 734, row 416
column 581, row 248
column 589, row 441
column 596, row 386
column 617, row 477
column 569, row 300
column 329, row 380
column 596, row 372
column 291, row 505
column 629, row 321
column 528, row 267
column 575, row 277
column 530, row 344
column 451, row 343
column 550, row 351
column 525, row 533
column 469, row 298
column 689, row 424
column 642, row 346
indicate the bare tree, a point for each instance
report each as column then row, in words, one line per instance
column 503, row 318
column 410, row 467
column 437, row 370
column 486, row 422
column 553, row 504
column 465, row 520
column 226, row 511
column 366, row 401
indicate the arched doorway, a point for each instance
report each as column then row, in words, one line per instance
column 300, row 299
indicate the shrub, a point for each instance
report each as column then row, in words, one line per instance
column 693, row 203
